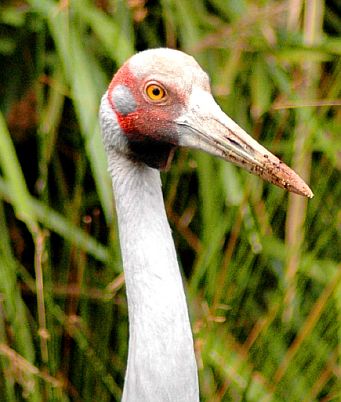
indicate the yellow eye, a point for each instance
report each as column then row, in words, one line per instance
column 155, row 92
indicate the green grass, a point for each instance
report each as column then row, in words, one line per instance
column 261, row 267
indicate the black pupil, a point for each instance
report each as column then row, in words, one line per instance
column 156, row 91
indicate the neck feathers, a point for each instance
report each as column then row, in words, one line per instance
column 161, row 361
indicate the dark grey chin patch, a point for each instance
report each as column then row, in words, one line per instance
column 123, row 100
column 155, row 154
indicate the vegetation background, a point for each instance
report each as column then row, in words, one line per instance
column 261, row 267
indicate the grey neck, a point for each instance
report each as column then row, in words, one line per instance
column 161, row 361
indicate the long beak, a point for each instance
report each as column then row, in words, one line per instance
column 205, row 126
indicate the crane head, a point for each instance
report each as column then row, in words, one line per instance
column 161, row 99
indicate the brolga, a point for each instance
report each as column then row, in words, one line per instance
column 160, row 99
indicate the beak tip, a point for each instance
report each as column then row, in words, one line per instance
column 301, row 188
column 306, row 193
column 309, row 193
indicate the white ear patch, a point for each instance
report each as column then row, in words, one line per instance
column 123, row 100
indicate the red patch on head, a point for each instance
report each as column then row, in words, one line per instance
column 148, row 120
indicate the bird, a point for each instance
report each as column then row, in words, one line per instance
column 160, row 100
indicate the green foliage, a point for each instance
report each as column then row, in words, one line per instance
column 261, row 267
